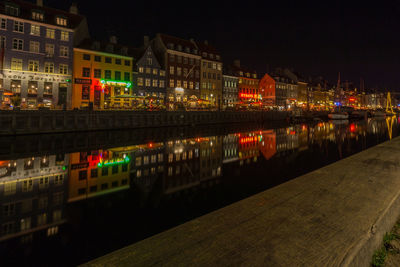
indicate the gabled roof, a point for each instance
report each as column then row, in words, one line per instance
column 209, row 50
column 49, row 13
column 168, row 39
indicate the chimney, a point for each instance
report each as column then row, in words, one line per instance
column 236, row 63
column 146, row 40
column 39, row 2
column 205, row 42
column 113, row 39
column 73, row 8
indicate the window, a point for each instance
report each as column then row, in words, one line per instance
column 9, row 209
column 107, row 74
column 171, row 69
column 49, row 49
column 141, row 69
column 85, row 72
column 162, row 72
column 124, row 167
column 25, row 224
column 108, row 60
column 18, row 44
column 27, row 185
column 117, row 75
column 171, row 83
column 41, row 219
column 185, row 84
column 93, row 188
column 44, row 182
column 86, row 57
column 185, row 60
column 58, row 179
column 12, row 10
column 58, row 198
column 18, row 26
column 127, row 63
column 178, row 83
column 118, row 61
column 63, row 51
column 104, row 171
column 61, row 21
column 162, row 83
column 147, row 82
column 56, row 215
column 34, row 47
column 155, row 83
column 49, row 67
column 127, row 76
column 178, row 71
column 148, row 70
column 35, row 30
column 33, row 65
column 97, row 58
column 64, row 36
column 16, row 64
column 114, row 169
column 140, row 81
column 37, row 15
column 3, row 24
column 50, row 33
column 81, row 191
column 93, row 173
column 97, row 73
column 149, row 61
column 63, row 69
column 104, row 186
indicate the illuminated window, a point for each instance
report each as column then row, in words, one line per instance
column 171, row 70
column 37, row 15
column 148, row 82
column 34, row 47
column 155, row 83
column 162, row 72
column 50, row 33
column 16, row 64
column 33, row 65
column 49, row 50
column 140, row 81
column 64, row 36
column 162, row 83
column 61, row 21
column 171, row 83
column 64, row 51
column 35, row 30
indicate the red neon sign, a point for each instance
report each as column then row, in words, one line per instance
column 243, row 95
column 352, row 99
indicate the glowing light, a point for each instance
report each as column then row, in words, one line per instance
column 119, row 83
column 112, row 162
column 352, row 127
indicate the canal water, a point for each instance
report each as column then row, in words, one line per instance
column 63, row 209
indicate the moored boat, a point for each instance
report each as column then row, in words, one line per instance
column 338, row 116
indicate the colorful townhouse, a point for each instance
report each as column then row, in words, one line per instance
column 211, row 75
column 36, row 52
column 102, row 77
column 248, row 91
column 267, row 91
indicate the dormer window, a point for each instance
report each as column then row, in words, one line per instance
column 110, row 48
column 61, row 21
column 170, row 45
column 36, row 15
column 211, row 55
column 179, row 48
column 12, row 10
column 187, row 49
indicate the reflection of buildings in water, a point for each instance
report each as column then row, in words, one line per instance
column 248, row 147
column 268, row 144
column 230, row 148
column 210, row 157
column 147, row 164
column 286, row 140
column 98, row 172
column 32, row 196
column 182, row 168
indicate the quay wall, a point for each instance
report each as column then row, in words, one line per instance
column 43, row 121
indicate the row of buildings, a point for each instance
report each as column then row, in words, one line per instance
column 48, row 59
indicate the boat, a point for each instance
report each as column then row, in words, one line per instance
column 360, row 113
column 338, row 115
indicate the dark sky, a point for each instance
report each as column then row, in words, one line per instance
column 357, row 38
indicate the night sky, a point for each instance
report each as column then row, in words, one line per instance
column 359, row 39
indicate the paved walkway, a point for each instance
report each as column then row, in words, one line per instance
column 335, row 216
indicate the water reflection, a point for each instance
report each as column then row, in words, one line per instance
column 39, row 195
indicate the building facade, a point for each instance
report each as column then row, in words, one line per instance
column 102, row 76
column 36, row 54
column 181, row 60
column 267, row 91
column 149, row 76
column 211, row 75
column 248, row 91
column 230, row 90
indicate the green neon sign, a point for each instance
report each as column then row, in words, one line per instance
column 112, row 162
column 112, row 82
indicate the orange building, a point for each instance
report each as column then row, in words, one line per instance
column 267, row 90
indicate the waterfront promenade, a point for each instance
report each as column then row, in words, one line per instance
column 334, row 216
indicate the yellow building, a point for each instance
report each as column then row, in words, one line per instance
column 101, row 172
column 102, row 76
